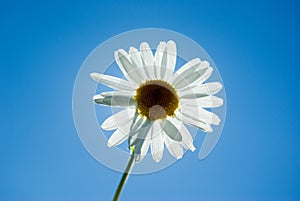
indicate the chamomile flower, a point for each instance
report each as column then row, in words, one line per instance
column 157, row 101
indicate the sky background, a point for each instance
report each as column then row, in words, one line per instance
column 253, row 43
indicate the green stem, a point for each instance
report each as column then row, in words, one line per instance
column 124, row 176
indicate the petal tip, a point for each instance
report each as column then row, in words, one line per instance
column 103, row 126
column 95, row 76
column 144, row 45
column 179, row 157
column 109, row 144
column 132, row 49
column 193, row 148
column 98, row 96
column 171, row 42
column 157, row 160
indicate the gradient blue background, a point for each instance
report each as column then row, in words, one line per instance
column 255, row 45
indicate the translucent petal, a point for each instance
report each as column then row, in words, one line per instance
column 135, row 56
column 159, row 58
column 171, row 130
column 118, row 119
column 115, row 98
column 138, row 123
column 120, row 135
column 185, row 71
column 200, row 113
column 148, row 60
column 187, row 140
column 140, row 139
column 117, row 138
column 204, row 102
column 203, row 78
column 210, row 88
column 194, row 122
column 171, row 55
column 127, row 67
column 145, row 146
column 194, row 78
column 174, row 147
column 113, row 82
column 157, row 142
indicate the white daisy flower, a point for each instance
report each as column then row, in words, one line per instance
column 158, row 101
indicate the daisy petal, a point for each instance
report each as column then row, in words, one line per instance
column 115, row 98
column 148, row 60
column 137, row 124
column 118, row 119
column 204, row 77
column 201, row 114
column 139, row 138
column 144, row 151
column 117, row 138
column 194, row 78
column 135, row 57
column 210, row 88
column 145, row 147
column 201, row 90
column 187, row 140
column 157, row 142
column 185, row 71
column 113, row 82
column 120, row 135
column 171, row 54
column 194, row 122
column 158, row 59
column 204, row 102
column 174, row 147
column 127, row 67
column 171, row 130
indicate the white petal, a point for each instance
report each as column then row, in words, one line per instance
column 115, row 98
column 113, row 82
column 200, row 113
column 137, row 124
column 194, row 122
column 187, row 140
column 171, row 130
column 139, row 139
column 204, row 77
column 174, row 147
column 145, row 147
column 144, row 151
column 120, row 135
column 148, row 60
column 184, row 71
column 204, row 102
column 157, row 142
column 117, row 138
column 171, row 55
column 135, row 56
column 139, row 131
column 210, row 88
column 194, row 78
column 118, row 119
column 201, row 90
column 158, row 58
column 127, row 67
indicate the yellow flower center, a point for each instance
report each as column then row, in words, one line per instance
column 156, row 99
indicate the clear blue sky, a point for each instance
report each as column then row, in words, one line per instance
column 255, row 45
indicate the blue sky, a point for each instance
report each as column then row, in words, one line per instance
column 253, row 43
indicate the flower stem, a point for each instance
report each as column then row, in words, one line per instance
column 124, row 176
